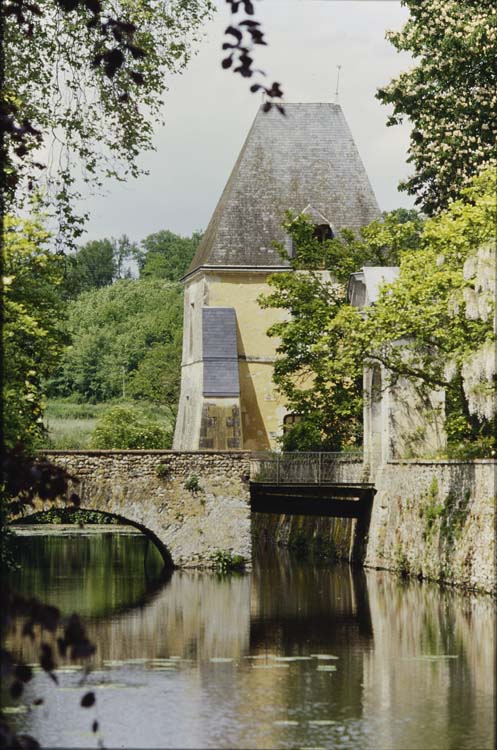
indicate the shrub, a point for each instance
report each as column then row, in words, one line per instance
column 163, row 471
column 121, row 428
column 192, row 484
column 226, row 562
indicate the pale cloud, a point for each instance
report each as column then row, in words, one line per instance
column 209, row 111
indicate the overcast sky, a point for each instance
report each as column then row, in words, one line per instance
column 209, row 111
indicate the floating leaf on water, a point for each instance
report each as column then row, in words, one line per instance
column 14, row 709
column 112, row 686
column 68, row 669
column 430, row 657
column 326, row 668
column 291, row 658
column 221, row 659
column 137, row 661
column 88, row 699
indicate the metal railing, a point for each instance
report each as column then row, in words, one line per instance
column 305, row 468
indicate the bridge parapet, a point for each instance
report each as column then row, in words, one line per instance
column 307, row 468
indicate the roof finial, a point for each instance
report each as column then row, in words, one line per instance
column 338, row 81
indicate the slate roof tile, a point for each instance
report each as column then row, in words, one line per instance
column 306, row 157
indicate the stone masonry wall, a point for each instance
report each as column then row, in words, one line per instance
column 148, row 488
column 436, row 519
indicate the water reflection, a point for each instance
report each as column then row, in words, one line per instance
column 96, row 571
column 292, row 655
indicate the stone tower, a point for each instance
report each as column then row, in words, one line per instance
column 306, row 161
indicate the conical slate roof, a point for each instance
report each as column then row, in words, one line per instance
column 307, row 158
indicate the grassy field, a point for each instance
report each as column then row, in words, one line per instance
column 70, row 425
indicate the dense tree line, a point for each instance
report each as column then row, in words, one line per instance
column 124, row 341
column 79, row 326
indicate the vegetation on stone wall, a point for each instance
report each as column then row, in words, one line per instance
column 78, row 516
column 224, row 561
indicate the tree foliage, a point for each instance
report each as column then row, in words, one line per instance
column 428, row 310
column 378, row 243
column 97, row 264
column 241, row 39
column 84, row 80
column 121, row 428
column 325, row 389
column 427, row 306
column 166, row 255
column 448, row 96
column 32, row 339
column 121, row 336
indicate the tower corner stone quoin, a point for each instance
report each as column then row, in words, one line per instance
column 306, row 161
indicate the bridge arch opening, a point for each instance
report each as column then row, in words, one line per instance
column 76, row 515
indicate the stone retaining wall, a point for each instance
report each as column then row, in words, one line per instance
column 148, row 489
column 436, row 519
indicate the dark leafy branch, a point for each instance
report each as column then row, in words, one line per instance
column 243, row 36
column 24, row 479
column 115, row 49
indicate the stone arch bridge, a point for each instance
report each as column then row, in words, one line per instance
column 192, row 504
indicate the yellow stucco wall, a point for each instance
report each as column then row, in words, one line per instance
column 261, row 407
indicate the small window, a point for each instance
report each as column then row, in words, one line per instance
column 323, row 232
column 289, row 421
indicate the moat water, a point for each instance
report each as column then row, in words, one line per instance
column 290, row 655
